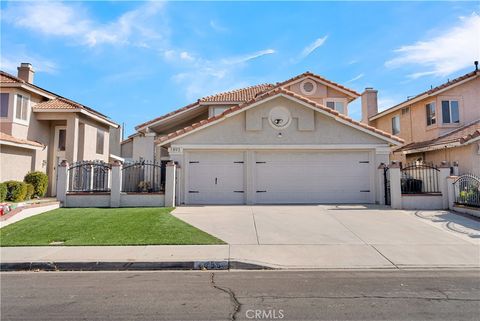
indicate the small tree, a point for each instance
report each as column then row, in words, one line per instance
column 39, row 180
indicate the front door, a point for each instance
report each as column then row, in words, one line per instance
column 58, row 153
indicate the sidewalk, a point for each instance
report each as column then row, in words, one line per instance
column 28, row 211
column 156, row 257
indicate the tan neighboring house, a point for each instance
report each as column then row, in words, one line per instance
column 440, row 124
column 289, row 142
column 40, row 128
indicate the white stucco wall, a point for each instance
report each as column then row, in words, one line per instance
column 424, row 202
column 88, row 200
column 142, row 200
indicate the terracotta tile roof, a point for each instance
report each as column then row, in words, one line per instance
column 430, row 92
column 460, row 135
column 245, row 94
column 267, row 95
column 190, row 106
column 311, row 74
column 238, row 95
column 7, row 78
column 58, row 102
column 11, row 139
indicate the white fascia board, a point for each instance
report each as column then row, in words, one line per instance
column 431, row 148
column 27, row 146
column 346, row 92
column 391, row 141
column 420, row 98
column 285, row 147
column 169, row 117
column 77, row 110
column 30, row 89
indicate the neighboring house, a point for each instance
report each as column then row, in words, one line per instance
column 290, row 142
column 440, row 124
column 40, row 128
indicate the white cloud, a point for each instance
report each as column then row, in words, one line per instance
column 73, row 21
column 456, row 48
column 10, row 63
column 217, row 26
column 312, row 47
column 201, row 77
column 357, row 77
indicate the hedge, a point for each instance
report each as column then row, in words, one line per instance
column 39, row 180
column 3, row 192
column 30, row 191
column 16, row 191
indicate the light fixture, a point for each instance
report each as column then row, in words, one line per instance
column 279, row 135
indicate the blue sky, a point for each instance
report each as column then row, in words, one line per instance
column 137, row 60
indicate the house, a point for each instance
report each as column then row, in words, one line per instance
column 289, row 142
column 440, row 124
column 40, row 128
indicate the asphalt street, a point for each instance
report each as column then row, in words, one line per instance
column 241, row 295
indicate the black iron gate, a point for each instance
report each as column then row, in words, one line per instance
column 386, row 185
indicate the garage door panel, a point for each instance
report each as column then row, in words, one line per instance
column 216, row 178
column 315, row 177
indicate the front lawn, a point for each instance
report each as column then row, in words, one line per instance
column 104, row 226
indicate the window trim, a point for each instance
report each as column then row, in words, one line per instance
column 392, row 124
column 314, row 89
column 15, row 101
column 426, row 114
column 8, row 106
column 337, row 100
column 103, row 141
column 449, row 100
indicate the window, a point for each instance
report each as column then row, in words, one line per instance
column 336, row 105
column 4, row 105
column 450, row 113
column 21, row 109
column 431, row 119
column 100, row 140
column 395, row 125
column 308, row 87
column 62, row 139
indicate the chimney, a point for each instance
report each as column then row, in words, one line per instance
column 26, row 72
column 369, row 104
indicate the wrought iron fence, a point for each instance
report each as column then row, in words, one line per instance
column 144, row 177
column 89, row 176
column 467, row 190
column 418, row 178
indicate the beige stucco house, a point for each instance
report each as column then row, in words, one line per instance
column 40, row 128
column 440, row 124
column 289, row 142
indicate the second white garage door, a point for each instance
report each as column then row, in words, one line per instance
column 313, row 177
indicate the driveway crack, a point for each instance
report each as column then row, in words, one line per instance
column 255, row 225
column 233, row 299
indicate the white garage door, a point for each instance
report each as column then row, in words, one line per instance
column 313, row 177
column 215, row 178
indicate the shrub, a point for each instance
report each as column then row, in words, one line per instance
column 30, row 191
column 39, row 180
column 16, row 191
column 3, row 192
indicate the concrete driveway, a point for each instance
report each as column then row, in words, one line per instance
column 343, row 236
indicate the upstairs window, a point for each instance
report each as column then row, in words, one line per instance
column 336, row 105
column 4, row 105
column 396, row 125
column 21, row 109
column 450, row 112
column 100, row 141
column 431, row 119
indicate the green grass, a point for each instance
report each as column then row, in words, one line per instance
column 96, row 226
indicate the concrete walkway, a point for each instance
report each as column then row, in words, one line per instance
column 28, row 212
column 299, row 237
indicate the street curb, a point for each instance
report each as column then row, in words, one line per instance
column 129, row 266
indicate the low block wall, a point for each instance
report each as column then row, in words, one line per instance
column 467, row 210
column 422, row 202
column 142, row 200
column 87, row 200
